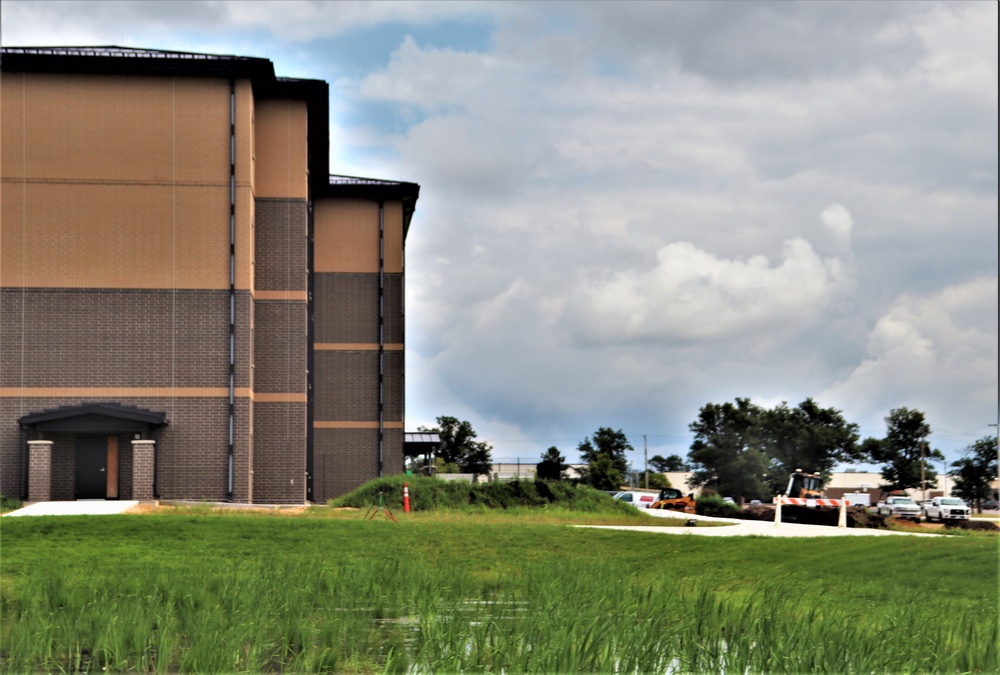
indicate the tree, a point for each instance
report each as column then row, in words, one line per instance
column 607, row 444
column 671, row 463
column 458, row 446
column 602, row 474
column 901, row 450
column 725, row 455
column 976, row 471
column 806, row 437
column 658, row 480
column 552, row 465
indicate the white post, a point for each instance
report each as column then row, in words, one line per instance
column 777, row 510
column 842, row 518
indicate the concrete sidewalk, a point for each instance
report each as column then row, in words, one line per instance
column 744, row 528
column 97, row 507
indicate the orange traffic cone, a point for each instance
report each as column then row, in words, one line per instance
column 406, row 498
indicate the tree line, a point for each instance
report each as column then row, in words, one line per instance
column 747, row 451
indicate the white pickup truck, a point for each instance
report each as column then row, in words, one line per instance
column 900, row 507
column 946, row 508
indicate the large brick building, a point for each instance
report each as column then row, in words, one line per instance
column 192, row 306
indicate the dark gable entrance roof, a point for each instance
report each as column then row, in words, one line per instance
column 96, row 418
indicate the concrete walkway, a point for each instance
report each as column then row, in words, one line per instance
column 744, row 528
column 97, row 507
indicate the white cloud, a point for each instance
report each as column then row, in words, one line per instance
column 935, row 352
column 693, row 295
column 75, row 23
column 838, row 220
column 962, row 48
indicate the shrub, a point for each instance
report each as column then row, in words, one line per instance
column 9, row 503
column 428, row 493
column 713, row 505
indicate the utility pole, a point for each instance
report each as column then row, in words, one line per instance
column 645, row 454
column 997, row 426
column 923, row 479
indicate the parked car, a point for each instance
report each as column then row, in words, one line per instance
column 946, row 508
column 900, row 507
column 991, row 505
column 637, row 498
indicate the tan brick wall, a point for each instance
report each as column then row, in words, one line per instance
column 281, row 150
column 109, row 128
column 114, row 182
column 69, row 235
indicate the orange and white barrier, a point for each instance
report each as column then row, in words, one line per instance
column 406, row 498
column 812, row 503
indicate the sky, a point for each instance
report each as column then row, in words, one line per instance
column 630, row 210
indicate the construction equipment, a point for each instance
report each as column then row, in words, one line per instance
column 804, row 485
column 818, row 510
column 674, row 500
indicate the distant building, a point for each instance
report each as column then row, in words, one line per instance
column 191, row 306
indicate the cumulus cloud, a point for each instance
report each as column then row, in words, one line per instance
column 693, row 295
column 837, row 220
column 923, row 346
column 295, row 20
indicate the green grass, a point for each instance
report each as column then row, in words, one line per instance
column 331, row 591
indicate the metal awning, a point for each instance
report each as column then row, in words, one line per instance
column 420, row 443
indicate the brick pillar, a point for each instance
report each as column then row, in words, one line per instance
column 39, row 471
column 143, row 454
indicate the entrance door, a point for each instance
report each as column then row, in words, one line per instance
column 91, row 467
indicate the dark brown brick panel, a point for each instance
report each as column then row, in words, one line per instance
column 347, row 458
column 280, row 244
column 279, row 470
column 346, row 308
column 346, row 386
column 115, row 338
column 280, row 346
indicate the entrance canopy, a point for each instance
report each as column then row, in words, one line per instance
column 420, row 443
column 95, row 418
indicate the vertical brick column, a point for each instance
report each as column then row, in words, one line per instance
column 142, row 470
column 39, row 471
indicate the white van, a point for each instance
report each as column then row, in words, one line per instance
column 637, row 498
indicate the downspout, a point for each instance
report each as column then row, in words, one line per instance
column 381, row 338
column 232, row 278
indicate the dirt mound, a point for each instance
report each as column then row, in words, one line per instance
column 759, row 512
column 978, row 525
column 857, row 516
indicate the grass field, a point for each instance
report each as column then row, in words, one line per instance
column 454, row 591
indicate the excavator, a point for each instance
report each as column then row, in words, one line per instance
column 674, row 500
